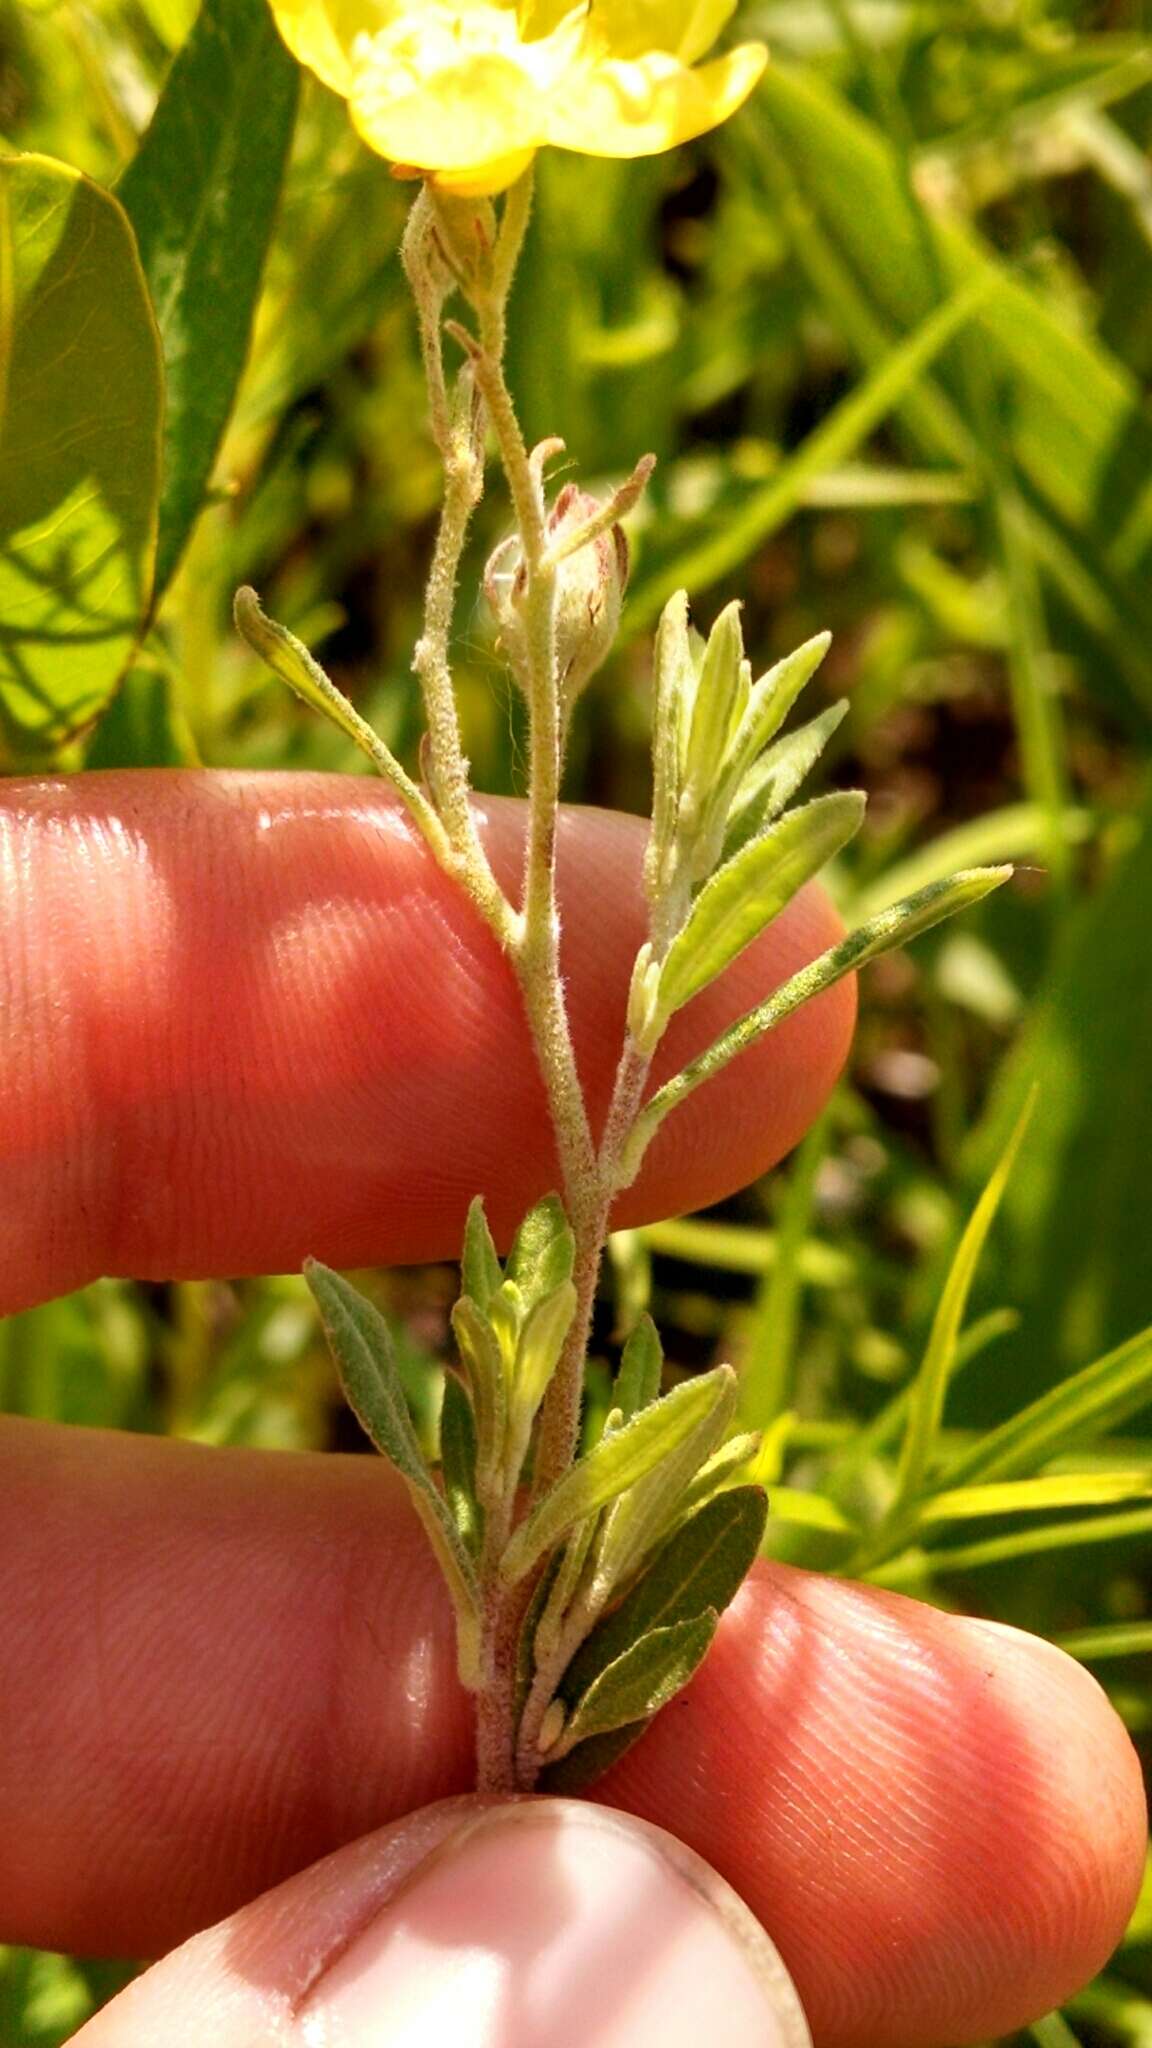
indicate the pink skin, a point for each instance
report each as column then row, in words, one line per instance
column 228, row 1041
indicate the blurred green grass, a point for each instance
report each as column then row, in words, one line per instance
column 978, row 540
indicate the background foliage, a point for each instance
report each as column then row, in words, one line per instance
column 965, row 498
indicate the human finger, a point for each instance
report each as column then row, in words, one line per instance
column 248, row 1019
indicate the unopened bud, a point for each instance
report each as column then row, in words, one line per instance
column 590, row 586
column 589, row 590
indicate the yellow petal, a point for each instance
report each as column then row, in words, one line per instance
column 456, row 119
column 320, row 33
column 685, row 28
column 611, row 108
column 483, row 180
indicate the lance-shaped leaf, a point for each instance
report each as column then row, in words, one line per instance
column 638, row 1520
column 894, row 927
column 201, row 193
column 721, row 695
column 543, row 1251
column 703, row 1565
column 641, row 1681
column 673, row 677
column 289, row 659
column 614, row 1464
column 81, row 408
column 753, row 888
column 362, row 1348
column 480, row 1353
column 552, row 1617
column 771, row 700
column 541, row 1342
column 458, row 1462
column 479, row 1266
column 641, row 1369
column 731, row 1464
column 773, row 780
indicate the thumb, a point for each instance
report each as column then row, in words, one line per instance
column 528, row 1923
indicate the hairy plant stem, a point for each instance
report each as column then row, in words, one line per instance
column 589, row 1172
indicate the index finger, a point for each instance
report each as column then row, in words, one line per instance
column 248, row 1019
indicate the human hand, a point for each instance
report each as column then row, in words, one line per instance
column 246, row 1020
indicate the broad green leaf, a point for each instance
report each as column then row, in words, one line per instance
column 642, row 1680
column 773, row 781
column 616, row 1463
column 362, row 1348
column 640, row 1518
column 479, row 1268
column 703, row 1565
column 927, row 1395
column 1035, row 1496
column 1067, row 1418
column 753, row 888
column 201, row 193
column 894, row 927
column 543, row 1251
column 458, row 1461
column 81, row 405
column 641, row 1369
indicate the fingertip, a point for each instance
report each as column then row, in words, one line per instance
column 530, row 1923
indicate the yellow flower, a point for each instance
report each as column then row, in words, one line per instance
column 467, row 93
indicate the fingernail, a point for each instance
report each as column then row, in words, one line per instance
column 553, row 1924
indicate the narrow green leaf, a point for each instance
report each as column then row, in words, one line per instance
column 642, row 1516
column 926, row 1405
column 833, row 442
column 703, row 1565
column 566, row 1578
column 721, row 1472
column 81, row 407
column 616, row 1463
column 1034, row 1496
column 772, row 781
column 809, row 1511
column 479, row 1268
column 289, row 659
column 673, row 677
column 541, row 1342
column 458, row 1462
column 1123, row 1639
column 894, row 927
column 362, row 1348
column 751, row 889
column 1067, row 1418
column 543, row 1251
column 723, row 682
column 642, row 1680
column 1046, row 1537
column 201, row 193
column 483, row 1361
column 641, row 1369
column 771, row 700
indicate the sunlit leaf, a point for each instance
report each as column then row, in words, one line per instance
column 773, row 781
column 752, row 888
column 616, row 1463
column 641, row 1368
column 202, row 193
column 458, row 1461
column 642, row 1680
column 81, row 404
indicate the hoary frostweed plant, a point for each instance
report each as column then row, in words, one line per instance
column 587, row 1581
